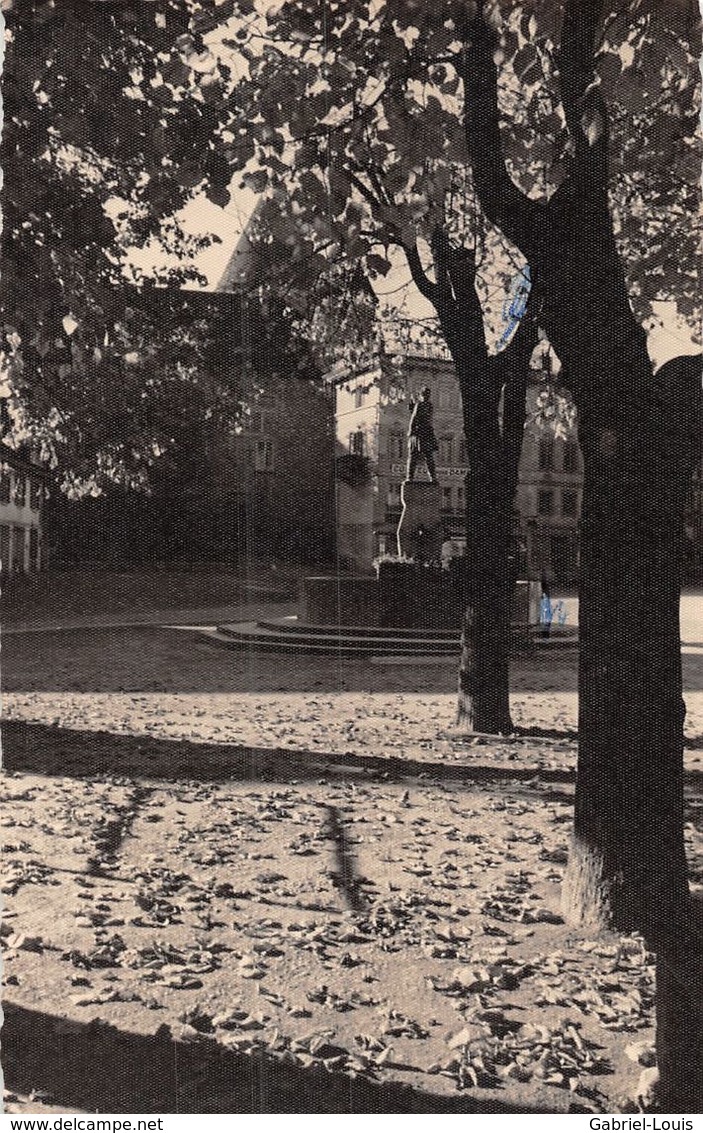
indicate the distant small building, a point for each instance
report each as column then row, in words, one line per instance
column 372, row 411
column 22, row 487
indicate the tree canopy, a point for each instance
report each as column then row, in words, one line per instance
column 355, row 114
column 106, row 108
column 480, row 137
column 348, row 117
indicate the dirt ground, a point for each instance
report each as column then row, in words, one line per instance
column 70, row 595
column 239, row 885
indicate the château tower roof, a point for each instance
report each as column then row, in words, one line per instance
column 242, row 264
column 245, row 266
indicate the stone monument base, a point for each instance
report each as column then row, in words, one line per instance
column 420, row 531
column 403, row 596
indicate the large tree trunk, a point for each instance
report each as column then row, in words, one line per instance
column 627, row 867
column 680, row 1023
column 594, row 863
column 483, row 702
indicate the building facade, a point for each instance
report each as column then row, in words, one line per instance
column 276, row 474
column 548, row 500
column 21, row 505
column 372, row 413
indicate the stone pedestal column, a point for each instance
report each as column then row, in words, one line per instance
column 420, row 528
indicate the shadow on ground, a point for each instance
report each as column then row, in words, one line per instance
column 98, row 1069
column 42, row 749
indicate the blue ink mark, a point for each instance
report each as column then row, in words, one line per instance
column 550, row 612
column 560, row 613
column 515, row 305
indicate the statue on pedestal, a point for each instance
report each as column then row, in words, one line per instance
column 422, row 441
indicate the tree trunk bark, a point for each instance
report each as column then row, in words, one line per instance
column 494, row 445
column 483, row 698
column 679, row 1041
column 627, row 868
column 593, row 871
column 627, row 863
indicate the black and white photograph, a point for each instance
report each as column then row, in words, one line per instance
column 351, row 551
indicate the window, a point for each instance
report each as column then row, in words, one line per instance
column 463, row 451
column 446, row 450
column 546, row 454
column 5, row 487
column 544, row 502
column 358, row 397
column 396, row 446
column 393, row 497
column 569, row 503
column 446, row 499
column 571, row 462
column 263, row 456
column 460, row 499
column 394, row 503
column 357, row 443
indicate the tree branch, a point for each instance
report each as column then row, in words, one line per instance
column 420, row 279
column 378, row 186
column 370, row 198
column 521, row 346
column 503, row 204
column 458, row 305
column 583, row 104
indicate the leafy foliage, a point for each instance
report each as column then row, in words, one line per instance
column 349, row 118
column 104, row 111
column 353, row 115
column 647, row 83
column 354, row 135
